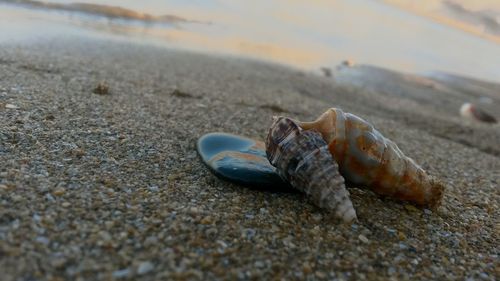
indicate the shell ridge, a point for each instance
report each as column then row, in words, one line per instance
column 306, row 163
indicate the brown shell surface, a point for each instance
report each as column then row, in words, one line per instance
column 302, row 158
column 367, row 158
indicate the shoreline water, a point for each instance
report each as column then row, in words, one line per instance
column 403, row 41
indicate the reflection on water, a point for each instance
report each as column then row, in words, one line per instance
column 481, row 18
column 107, row 11
column 306, row 34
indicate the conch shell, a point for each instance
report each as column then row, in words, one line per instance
column 363, row 155
column 367, row 158
column 302, row 158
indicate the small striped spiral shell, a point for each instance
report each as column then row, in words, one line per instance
column 302, row 158
column 365, row 157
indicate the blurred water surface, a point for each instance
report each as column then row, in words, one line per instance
column 304, row 34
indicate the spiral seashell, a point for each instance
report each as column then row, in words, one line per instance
column 302, row 158
column 366, row 157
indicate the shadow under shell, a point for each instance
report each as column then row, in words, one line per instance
column 240, row 160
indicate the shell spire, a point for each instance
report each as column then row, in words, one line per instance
column 367, row 158
column 302, row 158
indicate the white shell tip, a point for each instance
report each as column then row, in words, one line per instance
column 346, row 212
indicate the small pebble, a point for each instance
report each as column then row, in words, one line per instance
column 363, row 239
column 78, row 152
column 58, row 262
column 391, row 231
column 145, row 267
column 105, row 236
column 317, row 217
column 153, row 188
column 102, row 88
column 401, row 236
column 151, row 241
column 249, row 216
column 259, row 264
column 42, row 240
column 37, row 218
column 320, row 274
column 121, row 273
column 206, row 220
column 194, row 211
column 49, row 197
column 411, row 208
column 11, row 106
column 306, row 268
column 249, row 233
column 59, row 191
column 222, row 243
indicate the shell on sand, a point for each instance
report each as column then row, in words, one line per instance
column 470, row 111
column 367, row 158
column 302, row 158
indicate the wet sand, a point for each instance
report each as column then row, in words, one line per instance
column 109, row 186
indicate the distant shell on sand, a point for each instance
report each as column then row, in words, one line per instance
column 470, row 111
column 348, row 63
column 345, row 64
column 11, row 106
column 326, row 71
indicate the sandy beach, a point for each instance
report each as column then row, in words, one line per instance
column 109, row 186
